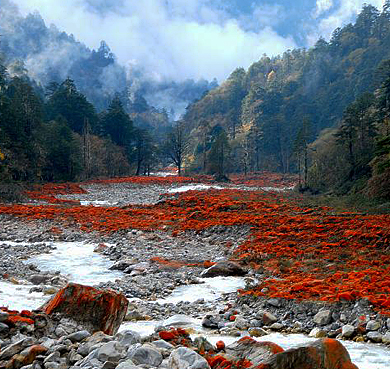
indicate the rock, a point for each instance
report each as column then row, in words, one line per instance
column 266, row 317
column 274, row 302
column 249, row 349
column 202, row 345
column 111, row 351
column 220, row 345
column 128, row 364
column 79, row 336
column 224, row 268
column 15, row 348
column 230, row 331
column 325, row 353
column 122, row 264
column 145, row 355
column 276, row 326
column 184, row 358
column 386, row 338
column 4, row 328
column 211, row 321
column 373, row 325
column 241, row 323
column 26, row 357
column 3, row 316
column 95, row 310
column 323, row 317
column 128, row 338
column 53, row 358
column 163, row 345
column 178, row 320
column 257, row 332
column 317, row 333
column 347, row 331
column 387, row 323
column 39, row 278
column 374, row 336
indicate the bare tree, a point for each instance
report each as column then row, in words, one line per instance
column 176, row 146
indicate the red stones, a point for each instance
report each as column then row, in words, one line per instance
column 232, row 318
column 220, row 345
column 168, row 335
column 14, row 319
column 97, row 310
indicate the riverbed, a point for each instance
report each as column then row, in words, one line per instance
column 78, row 262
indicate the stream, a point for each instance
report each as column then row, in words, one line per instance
column 80, row 264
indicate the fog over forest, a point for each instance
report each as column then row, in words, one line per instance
column 168, row 52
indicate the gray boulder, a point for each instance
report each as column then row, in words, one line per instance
column 373, row 325
column 323, row 317
column 146, row 354
column 128, row 338
column 111, row 351
column 128, row 364
column 224, row 268
column 184, row 358
column 347, row 331
column 79, row 336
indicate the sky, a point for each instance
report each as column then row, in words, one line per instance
column 180, row 39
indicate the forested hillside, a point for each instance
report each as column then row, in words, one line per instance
column 45, row 54
column 265, row 117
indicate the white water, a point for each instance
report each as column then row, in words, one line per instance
column 78, row 262
column 194, row 187
column 75, row 260
column 210, row 290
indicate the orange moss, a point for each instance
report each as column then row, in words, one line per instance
column 167, row 335
column 307, row 254
column 14, row 319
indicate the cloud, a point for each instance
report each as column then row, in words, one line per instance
column 322, row 6
column 174, row 39
column 346, row 12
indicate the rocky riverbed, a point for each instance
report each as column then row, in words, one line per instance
column 148, row 266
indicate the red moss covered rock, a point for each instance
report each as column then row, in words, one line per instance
column 220, row 345
column 253, row 351
column 322, row 354
column 96, row 310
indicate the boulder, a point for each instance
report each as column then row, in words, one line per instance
column 96, row 310
column 373, row 325
column 325, row 353
column 79, row 336
column 249, row 349
column 224, row 268
column 266, row 317
column 323, row 317
column 184, row 358
column 128, row 337
column 348, row 331
column 26, row 357
column 386, row 338
column 317, row 333
column 374, row 336
column 15, row 348
column 146, row 354
column 111, row 351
